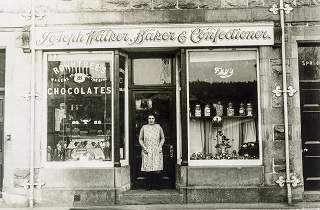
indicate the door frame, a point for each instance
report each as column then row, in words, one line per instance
column 2, row 139
column 173, row 129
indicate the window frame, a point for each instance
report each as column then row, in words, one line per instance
column 223, row 162
column 44, row 142
column 125, row 161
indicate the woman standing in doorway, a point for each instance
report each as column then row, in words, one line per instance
column 151, row 139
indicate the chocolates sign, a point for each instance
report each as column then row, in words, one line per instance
column 155, row 36
column 72, row 76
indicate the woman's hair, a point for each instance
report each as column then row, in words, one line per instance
column 152, row 114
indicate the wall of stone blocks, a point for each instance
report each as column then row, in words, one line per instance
column 110, row 5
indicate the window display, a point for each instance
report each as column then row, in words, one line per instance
column 79, row 99
column 223, row 105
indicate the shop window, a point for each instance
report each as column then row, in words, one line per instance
column 223, row 107
column 2, row 68
column 309, row 62
column 152, row 71
column 79, row 107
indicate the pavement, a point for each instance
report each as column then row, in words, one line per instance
column 215, row 206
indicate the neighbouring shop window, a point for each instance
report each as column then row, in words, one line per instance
column 152, row 71
column 79, row 107
column 2, row 68
column 223, row 105
column 309, row 62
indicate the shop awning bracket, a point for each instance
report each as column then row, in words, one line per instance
column 290, row 90
column 294, row 181
column 38, row 184
column 29, row 95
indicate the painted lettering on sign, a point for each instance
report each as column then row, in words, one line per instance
column 155, row 36
column 80, row 72
column 79, row 91
column 310, row 63
column 50, row 38
column 81, row 65
column 223, row 72
column 212, row 34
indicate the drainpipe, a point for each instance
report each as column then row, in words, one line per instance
column 32, row 100
column 285, row 105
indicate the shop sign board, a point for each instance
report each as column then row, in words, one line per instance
column 133, row 36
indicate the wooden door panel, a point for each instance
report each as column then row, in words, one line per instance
column 310, row 133
column 311, row 170
column 310, row 125
column 310, row 97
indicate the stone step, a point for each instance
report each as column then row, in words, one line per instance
column 142, row 197
column 311, row 196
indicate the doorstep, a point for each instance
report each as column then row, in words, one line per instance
column 142, row 197
column 311, row 196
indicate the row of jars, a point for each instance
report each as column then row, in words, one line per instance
column 243, row 110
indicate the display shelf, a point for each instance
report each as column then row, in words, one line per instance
column 223, row 117
column 84, row 136
column 73, row 124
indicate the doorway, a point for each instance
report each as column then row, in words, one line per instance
column 309, row 81
column 161, row 103
column 310, row 133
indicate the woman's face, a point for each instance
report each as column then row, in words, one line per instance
column 151, row 119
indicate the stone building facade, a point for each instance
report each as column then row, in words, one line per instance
column 34, row 104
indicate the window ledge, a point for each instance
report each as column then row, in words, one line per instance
column 255, row 162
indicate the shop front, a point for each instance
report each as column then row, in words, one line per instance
column 234, row 88
column 203, row 82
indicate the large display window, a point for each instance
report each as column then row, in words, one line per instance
column 223, row 107
column 79, row 108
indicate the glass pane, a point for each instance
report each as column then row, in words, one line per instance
column 122, row 89
column 309, row 63
column 152, row 71
column 2, row 68
column 223, row 105
column 79, row 107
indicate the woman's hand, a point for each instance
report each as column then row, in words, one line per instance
column 145, row 150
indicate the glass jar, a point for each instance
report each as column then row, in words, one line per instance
column 219, row 108
column 207, row 112
column 249, row 109
column 242, row 111
column 230, row 109
column 197, row 111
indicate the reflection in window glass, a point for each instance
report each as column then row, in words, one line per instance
column 223, row 105
column 152, row 71
column 79, row 107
